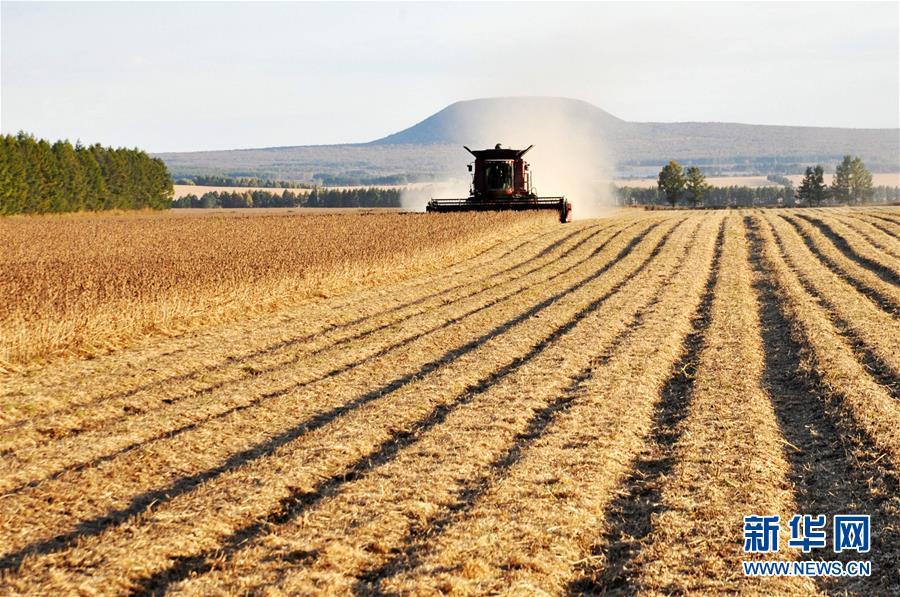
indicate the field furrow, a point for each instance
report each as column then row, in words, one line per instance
column 849, row 386
column 885, row 294
column 833, row 468
column 530, row 532
column 856, row 249
column 727, row 455
column 350, row 425
column 874, row 334
column 872, row 234
column 888, row 226
column 146, row 411
column 403, row 501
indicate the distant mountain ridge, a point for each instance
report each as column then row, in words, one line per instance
column 431, row 148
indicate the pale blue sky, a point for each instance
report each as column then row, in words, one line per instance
column 187, row 76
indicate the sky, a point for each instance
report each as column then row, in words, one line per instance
column 172, row 76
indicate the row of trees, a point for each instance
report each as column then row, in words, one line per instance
column 214, row 180
column 740, row 196
column 39, row 177
column 368, row 197
column 851, row 183
column 732, row 196
column 678, row 184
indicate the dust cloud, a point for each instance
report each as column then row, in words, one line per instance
column 568, row 157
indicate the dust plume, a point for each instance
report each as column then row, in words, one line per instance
column 568, row 158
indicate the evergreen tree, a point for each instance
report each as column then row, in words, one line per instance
column 73, row 183
column 840, row 185
column 13, row 186
column 812, row 189
column 860, row 182
column 93, row 177
column 37, row 177
column 696, row 185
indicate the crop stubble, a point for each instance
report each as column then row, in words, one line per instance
column 590, row 407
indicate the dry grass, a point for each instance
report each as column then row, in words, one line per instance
column 546, row 408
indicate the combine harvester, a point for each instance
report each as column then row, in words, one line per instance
column 501, row 181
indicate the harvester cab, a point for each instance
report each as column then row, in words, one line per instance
column 501, row 181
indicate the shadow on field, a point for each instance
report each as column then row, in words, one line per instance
column 885, row 302
column 630, row 515
column 297, row 502
column 418, row 539
column 833, row 467
column 294, row 504
column 841, row 244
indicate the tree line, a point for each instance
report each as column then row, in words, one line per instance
column 852, row 183
column 214, row 180
column 741, row 196
column 317, row 197
column 39, row 177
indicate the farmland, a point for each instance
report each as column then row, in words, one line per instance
column 461, row 403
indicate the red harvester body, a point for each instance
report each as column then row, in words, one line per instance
column 501, row 181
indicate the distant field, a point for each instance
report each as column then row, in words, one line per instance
column 457, row 403
column 275, row 211
column 886, row 179
column 181, row 190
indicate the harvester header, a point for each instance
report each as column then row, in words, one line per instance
column 501, row 181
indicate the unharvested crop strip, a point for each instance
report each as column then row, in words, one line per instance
column 119, row 287
column 140, row 503
column 300, row 502
column 76, row 407
column 874, row 335
column 856, row 251
column 147, row 438
column 529, row 531
column 849, row 386
column 883, row 294
column 91, row 421
column 466, row 467
column 833, row 470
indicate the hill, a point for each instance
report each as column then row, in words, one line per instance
column 431, row 148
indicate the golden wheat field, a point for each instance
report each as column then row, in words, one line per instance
column 401, row 403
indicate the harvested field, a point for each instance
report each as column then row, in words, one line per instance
column 487, row 404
